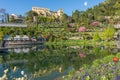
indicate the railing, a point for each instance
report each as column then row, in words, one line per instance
column 16, row 61
column 13, row 25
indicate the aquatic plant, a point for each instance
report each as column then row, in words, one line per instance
column 24, row 76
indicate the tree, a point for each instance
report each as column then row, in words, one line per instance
column 43, row 19
column 117, row 7
column 64, row 18
column 1, row 35
column 31, row 16
column 76, row 15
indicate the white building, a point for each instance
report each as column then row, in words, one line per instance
column 17, row 18
column 14, row 15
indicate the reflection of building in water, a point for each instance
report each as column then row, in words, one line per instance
column 9, row 50
column 3, row 51
column 18, row 50
column 18, row 37
column 26, row 49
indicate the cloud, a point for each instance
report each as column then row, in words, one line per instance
column 85, row 3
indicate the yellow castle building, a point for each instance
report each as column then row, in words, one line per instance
column 47, row 12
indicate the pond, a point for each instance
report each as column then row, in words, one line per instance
column 49, row 62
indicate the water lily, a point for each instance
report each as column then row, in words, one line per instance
column 6, row 71
column 14, row 69
column 22, row 72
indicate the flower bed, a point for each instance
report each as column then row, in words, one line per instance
column 105, row 69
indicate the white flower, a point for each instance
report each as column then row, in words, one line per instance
column 25, row 75
column 4, row 76
column 18, row 79
column 22, row 78
column 5, row 71
column 14, row 69
column 22, row 72
column 63, row 77
column 60, row 69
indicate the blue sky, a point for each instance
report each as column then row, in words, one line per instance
column 22, row 6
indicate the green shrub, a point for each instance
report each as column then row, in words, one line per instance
column 109, row 33
column 96, row 37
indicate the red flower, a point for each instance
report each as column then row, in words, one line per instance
column 115, row 59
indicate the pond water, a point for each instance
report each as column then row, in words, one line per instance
column 49, row 62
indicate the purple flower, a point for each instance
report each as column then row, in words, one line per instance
column 117, row 78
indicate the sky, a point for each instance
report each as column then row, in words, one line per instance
column 20, row 7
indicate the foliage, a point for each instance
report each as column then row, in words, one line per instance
column 30, row 16
column 95, row 16
column 96, row 37
column 109, row 33
column 76, row 15
column 1, row 35
column 65, row 18
column 101, row 69
column 107, row 8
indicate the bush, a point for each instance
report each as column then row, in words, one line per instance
column 109, row 33
column 96, row 37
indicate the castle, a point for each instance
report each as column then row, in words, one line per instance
column 46, row 12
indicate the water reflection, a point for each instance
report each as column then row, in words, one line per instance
column 19, row 50
column 25, row 49
column 4, row 51
column 44, row 61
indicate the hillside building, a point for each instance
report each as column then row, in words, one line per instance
column 46, row 12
